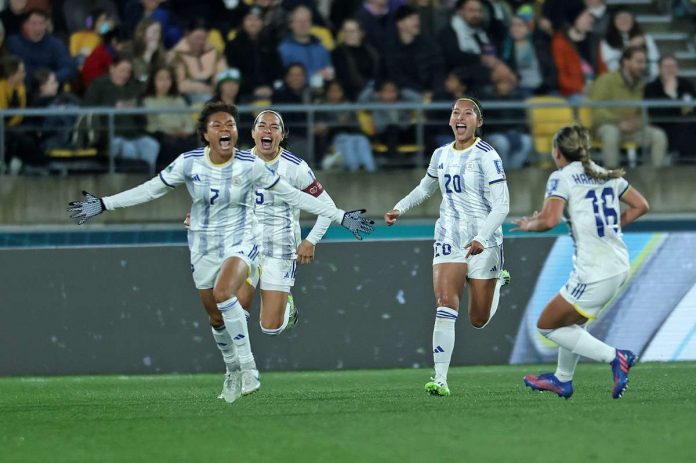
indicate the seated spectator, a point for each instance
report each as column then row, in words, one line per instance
column 304, row 48
column 84, row 41
column 678, row 123
column 137, row 10
column 13, row 16
column 412, row 60
column 294, row 91
column 377, row 22
column 616, row 125
column 118, row 90
column 529, row 56
column 575, row 53
column 175, row 132
column 255, row 54
column 20, row 145
column 227, row 87
column 76, row 12
column 342, row 130
column 433, row 16
column 506, row 128
column 393, row 127
column 148, row 49
column 456, row 86
column 623, row 32
column 39, row 49
column 97, row 63
column 196, row 63
column 356, row 62
column 600, row 16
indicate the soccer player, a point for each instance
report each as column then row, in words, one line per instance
column 590, row 195
column 223, row 182
column 468, row 235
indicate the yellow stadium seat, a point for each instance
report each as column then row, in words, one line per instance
column 546, row 121
column 215, row 39
column 325, row 36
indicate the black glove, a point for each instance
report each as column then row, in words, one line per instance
column 85, row 210
column 356, row 223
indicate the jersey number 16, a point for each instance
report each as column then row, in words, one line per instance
column 605, row 213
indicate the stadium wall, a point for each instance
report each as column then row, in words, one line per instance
column 42, row 200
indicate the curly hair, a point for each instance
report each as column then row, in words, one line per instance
column 210, row 108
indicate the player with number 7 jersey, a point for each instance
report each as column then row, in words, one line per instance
column 590, row 196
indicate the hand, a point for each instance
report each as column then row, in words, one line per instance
column 82, row 211
column 187, row 221
column 305, row 252
column 524, row 222
column 391, row 216
column 356, row 223
column 474, row 248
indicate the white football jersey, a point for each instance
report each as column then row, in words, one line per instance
column 224, row 195
column 594, row 216
column 279, row 223
column 465, row 178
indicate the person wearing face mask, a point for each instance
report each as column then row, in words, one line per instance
column 468, row 248
column 223, row 237
column 84, row 41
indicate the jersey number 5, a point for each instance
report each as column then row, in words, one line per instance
column 606, row 215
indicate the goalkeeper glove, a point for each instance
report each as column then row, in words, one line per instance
column 356, row 223
column 82, row 211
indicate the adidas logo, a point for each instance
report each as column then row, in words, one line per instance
column 494, row 269
column 195, row 178
column 240, row 336
column 438, row 350
column 440, row 166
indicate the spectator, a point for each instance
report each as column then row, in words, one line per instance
column 227, row 87
column 377, row 22
column 20, row 145
column 196, row 63
column 601, row 17
column 530, row 58
column 356, row 61
column 455, row 87
column 393, row 127
column 560, row 13
column 413, row 61
column 505, row 127
column 136, row 10
column 39, row 49
column 255, row 54
column 575, row 51
column 76, row 12
column 148, row 49
column 678, row 123
column 118, row 90
column 433, row 16
column 302, row 47
column 175, row 132
column 623, row 32
column 98, row 62
column 294, row 91
column 13, row 16
column 84, row 41
column 341, row 129
column 616, row 125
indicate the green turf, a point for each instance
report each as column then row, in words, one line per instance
column 351, row 416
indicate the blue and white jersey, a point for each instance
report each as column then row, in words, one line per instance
column 278, row 222
column 594, row 214
column 465, row 178
column 223, row 195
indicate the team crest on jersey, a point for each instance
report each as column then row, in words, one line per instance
column 236, row 181
column 470, row 165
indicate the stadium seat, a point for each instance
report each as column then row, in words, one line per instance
column 545, row 122
column 367, row 127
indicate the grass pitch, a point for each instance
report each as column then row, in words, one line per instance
column 351, row 416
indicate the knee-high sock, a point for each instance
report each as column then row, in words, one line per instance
column 281, row 328
column 494, row 304
column 235, row 322
column 579, row 341
column 226, row 346
column 567, row 361
column 443, row 340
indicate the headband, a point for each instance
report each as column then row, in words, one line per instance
column 282, row 124
column 475, row 104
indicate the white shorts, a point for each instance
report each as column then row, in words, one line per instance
column 275, row 274
column 590, row 298
column 206, row 267
column 484, row 266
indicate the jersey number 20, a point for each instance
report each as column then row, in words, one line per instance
column 605, row 213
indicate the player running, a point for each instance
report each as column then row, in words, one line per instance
column 468, row 235
column 590, row 195
column 222, row 236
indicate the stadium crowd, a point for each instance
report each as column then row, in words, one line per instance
column 178, row 54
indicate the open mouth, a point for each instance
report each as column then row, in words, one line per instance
column 266, row 143
column 225, row 141
column 461, row 128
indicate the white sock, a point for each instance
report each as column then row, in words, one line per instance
column 247, row 315
column 235, row 322
column 567, row 361
column 578, row 341
column 494, row 304
column 443, row 340
column 226, row 345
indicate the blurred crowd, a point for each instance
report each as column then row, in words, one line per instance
column 179, row 54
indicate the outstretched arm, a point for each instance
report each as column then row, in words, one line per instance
column 549, row 217
column 425, row 189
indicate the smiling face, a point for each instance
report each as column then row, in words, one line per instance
column 268, row 132
column 221, row 135
column 464, row 121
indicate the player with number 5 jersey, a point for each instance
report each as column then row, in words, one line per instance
column 468, row 248
column 590, row 196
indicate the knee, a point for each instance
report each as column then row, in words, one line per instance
column 447, row 300
column 271, row 327
column 222, row 294
column 478, row 321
